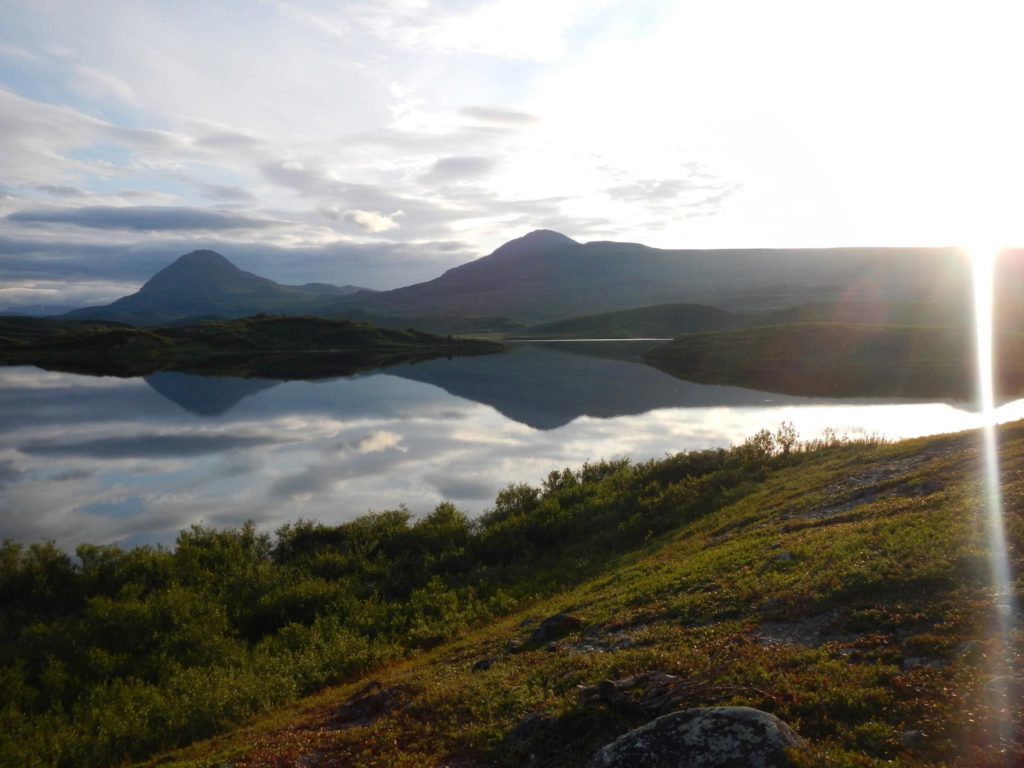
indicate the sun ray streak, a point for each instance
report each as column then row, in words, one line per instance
column 984, row 260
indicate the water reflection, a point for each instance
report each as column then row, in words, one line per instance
column 546, row 386
column 132, row 460
column 205, row 396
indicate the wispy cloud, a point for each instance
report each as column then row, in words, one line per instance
column 142, row 217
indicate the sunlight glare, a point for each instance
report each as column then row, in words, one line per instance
column 983, row 263
column 983, row 259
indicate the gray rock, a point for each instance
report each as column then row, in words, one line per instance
column 710, row 737
column 555, row 627
column 483, row 665
column 911, row 739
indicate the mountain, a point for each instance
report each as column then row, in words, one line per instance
column 546, row 276
column 326, row 289
column 204, row 284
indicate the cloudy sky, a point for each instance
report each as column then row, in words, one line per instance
column 381, row 142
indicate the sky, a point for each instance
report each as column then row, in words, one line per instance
column 379, row 143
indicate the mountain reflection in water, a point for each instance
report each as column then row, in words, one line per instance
column 104, row 459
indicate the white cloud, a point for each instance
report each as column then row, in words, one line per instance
column 373, row 221
column 378, row 441
column 479, row 121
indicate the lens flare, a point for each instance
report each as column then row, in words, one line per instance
column 984, row 277
column 984, row 262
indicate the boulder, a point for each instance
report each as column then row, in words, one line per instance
column 555, row 627
column 708, row 737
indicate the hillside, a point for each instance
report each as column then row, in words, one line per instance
column 841, row 586
column 837, row 360
column 659, row 321
column 261, row 346
column 671, row 320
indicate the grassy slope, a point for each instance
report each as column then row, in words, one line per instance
column 838, row 360
column 837, row 594
column 270, row 346
column 660, row 321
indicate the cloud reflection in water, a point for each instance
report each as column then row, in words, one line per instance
column 87, row 459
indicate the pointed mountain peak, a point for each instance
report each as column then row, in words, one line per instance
column 201, row 271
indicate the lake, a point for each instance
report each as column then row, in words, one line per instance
column 103, row 459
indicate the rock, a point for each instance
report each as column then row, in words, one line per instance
column 483, row 664
column 555, row 627
column 910, row 739
column 710, row 737
column 784, row 557
column 372, row 702
column 531, row 739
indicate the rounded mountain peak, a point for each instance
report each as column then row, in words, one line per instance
column 547, row 236
column 201, row 257
column 537, row 242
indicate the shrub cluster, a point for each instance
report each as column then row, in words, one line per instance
column 112, row 655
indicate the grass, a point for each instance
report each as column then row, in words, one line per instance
column 847, row 593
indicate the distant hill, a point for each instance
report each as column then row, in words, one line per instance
column 841, row 360
column 668, row 321
column 659, row 321
column 326, row 289
column 35, row 310
column 263, row 346
column 204, row 283
column 545, row 276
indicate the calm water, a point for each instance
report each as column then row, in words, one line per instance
column 135, row 460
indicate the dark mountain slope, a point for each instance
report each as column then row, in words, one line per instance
column 204, row 283
column 546, row 276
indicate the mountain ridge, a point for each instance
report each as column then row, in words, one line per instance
column 545, row 276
